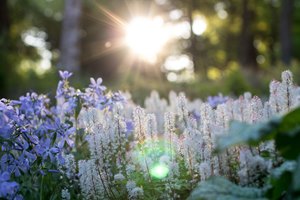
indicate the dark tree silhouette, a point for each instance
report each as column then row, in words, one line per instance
column 247, row 51
column 285, row 31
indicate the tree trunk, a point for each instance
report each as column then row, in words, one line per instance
column 6, row 67
column 285, row 34
column 273, row 33
column 193, row 50
column 70, row 36
column 247, row 51
column 4, row 18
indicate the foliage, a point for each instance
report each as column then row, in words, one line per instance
column 284, row 130
column 283, row 180
column 217, row 48
column 97, row 145
column 219, row 188
column 35, row 136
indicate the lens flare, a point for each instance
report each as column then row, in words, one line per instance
column 159, row 171
column 155, row 154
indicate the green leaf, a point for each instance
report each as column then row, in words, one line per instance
column 296, row 177
column 280, row 180
column 78, row 107
column 244, row 133
column 288, row 136
column 287, row 166
column 285, row 131
column 218, row 188
column 288, row 145
column 291, row 121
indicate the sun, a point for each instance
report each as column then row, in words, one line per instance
column 146, row 37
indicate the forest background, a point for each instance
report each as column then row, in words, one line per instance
column 226, row 46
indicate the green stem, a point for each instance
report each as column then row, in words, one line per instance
column 41, row 191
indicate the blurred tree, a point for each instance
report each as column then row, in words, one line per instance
column 4, row 31
column 70, row 36
column 21, row 23
column 286, row 16
column 193, row 50
column 4, row 19
column 250, row 33
column 247, row 51
column 273, row 36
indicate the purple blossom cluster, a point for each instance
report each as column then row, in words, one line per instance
column 34, row 133
column 8, row 188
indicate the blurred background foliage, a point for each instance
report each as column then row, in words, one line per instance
column 206, row 46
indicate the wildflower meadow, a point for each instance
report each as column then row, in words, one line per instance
column 96, row 144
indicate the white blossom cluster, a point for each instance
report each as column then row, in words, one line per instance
column 168, row 133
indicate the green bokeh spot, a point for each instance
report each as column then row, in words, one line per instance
column 159, row 171
column 153, row 150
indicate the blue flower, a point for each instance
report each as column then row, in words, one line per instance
column 129, row 127
column 65, row 138
column 60, row 89
column 7, row 188
column 214, row 101
column 31, row 130
column 45, row 150
column 65, row 74
column 114, row 98
column 196, row 115
column 96, row 85
column 21, row 164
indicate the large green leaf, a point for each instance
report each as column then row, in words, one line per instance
column 288, row 135
column 218, row 188
column 285, row 131
column 296, row 177
column 244, row 133
column 280, row 180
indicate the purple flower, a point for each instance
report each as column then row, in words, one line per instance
column 21, row 164
column 71, row 105
column 5, row 176
column 32, row 105
column 66, row 138
column 57, row 127
column 96, row 84
column 31, row 130
column 60, row 89
column 6, row 159
column 129, row 127
column 114, row 98
column 65, row 74
column 214, row 101
column 94, row 98
column 196, row 115
column 60, row 159
column 53, row 170
column 45, row 150
column 7, row 188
